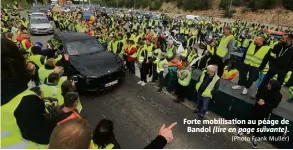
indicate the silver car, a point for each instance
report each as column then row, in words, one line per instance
column 40, row 25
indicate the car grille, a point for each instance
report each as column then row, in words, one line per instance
column 42, row 28
column 105, row 79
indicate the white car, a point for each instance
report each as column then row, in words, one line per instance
column 40, row 25
column 65, row 9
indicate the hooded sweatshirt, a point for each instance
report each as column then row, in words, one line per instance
column 271, row 97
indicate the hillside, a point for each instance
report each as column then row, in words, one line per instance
column 278, row 16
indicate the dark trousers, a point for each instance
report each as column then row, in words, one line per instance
column 57, row 24
column 181, row 92
column 155, row 73
column 150, row 68
column 143, row 72
column 131, row 66
column 270, row 74
column 202, row 104
column 161, row 80
column 253, row 75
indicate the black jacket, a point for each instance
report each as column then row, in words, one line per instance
column 206, row 81
column 158, row 143
column 283, row 61
column 272, row 98
column 30, row 118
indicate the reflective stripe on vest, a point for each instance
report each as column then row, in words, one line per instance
column 150, row 50
column 290, row 92
column 245, row 43
column 266, row 69
column 255, row 59
column 222, row 49
column 10, row 134
column 208, row 91
column 140, row 56
column 61, row 80
column 110, row 46
column 185, row 81
column 43, row 74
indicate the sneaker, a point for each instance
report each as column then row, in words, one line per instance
column 159, row 90
column 143, row 83
column 254, row 143
column 139, row 82
column 236, row 87
column 244, row 92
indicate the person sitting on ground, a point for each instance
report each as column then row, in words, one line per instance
column 67, row 111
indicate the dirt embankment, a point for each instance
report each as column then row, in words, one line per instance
column 275, row 17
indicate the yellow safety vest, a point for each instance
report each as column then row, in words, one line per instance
column 273, row 43
column 11, row 137
column 169, row 52
column 161, row 64
column 157, row 55
column 188, row 41
column 36, row 59
column 266, row 69
column 227, row 74
column 52, row 91
column 61, row 80
column 291, row 92
column 185, row 81
column 245, row 43
column 208, row 91
column 23, row 46
column 110, row 46
column 184, row 53
column 140, row 58
column 191, row 57
column 24, row 23
column 288, row 76
column 255, row 59
column 222, row 49
column 43, row 74
column 150, row 50
column 94, row 146
column 211, row 49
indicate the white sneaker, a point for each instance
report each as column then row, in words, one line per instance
column 236, row 87
column 139, row 82
column 244, row 92
column 143, row 83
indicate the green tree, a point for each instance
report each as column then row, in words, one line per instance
column 237, row 2
column 288, row 4
column 224, row 4
column 156, row 4
column 188, row 4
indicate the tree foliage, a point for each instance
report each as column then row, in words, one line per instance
column 288, row 4
column 196, row 4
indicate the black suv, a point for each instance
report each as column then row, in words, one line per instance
column 90, row 64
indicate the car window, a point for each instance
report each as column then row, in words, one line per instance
column 84, row 47
column 39, row 20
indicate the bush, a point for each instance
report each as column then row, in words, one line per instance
column 288, row 4
column 156, row 4
column 196, row 4
column 225, row 4
column 229, row 13
column 237, row 2
column 188, row 5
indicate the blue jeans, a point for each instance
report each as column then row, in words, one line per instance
column 202, row 104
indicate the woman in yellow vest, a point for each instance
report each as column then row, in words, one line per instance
column 103, row 136
column 155, row 59
column 184, row 78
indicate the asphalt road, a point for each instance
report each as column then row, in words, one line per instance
column 139, row 112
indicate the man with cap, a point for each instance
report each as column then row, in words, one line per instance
column 224, row 50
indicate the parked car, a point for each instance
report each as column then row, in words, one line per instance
column 40, row 25
column 92, row 67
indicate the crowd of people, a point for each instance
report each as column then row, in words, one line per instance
column 41, row 104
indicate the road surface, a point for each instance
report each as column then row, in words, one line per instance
column 139, row 112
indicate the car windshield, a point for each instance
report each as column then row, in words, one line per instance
column 39, row 20
column 83, row 47
column 37, row 15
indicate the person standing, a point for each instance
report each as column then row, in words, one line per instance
column 223, row 51
column 162, row 70
column 268, row 98
column 149, row 48
column 281, row 60
column 131, row 56
column 184, row 78
column 155, row 59
column 252, row 63
column 143, row 61
column 207, row 85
